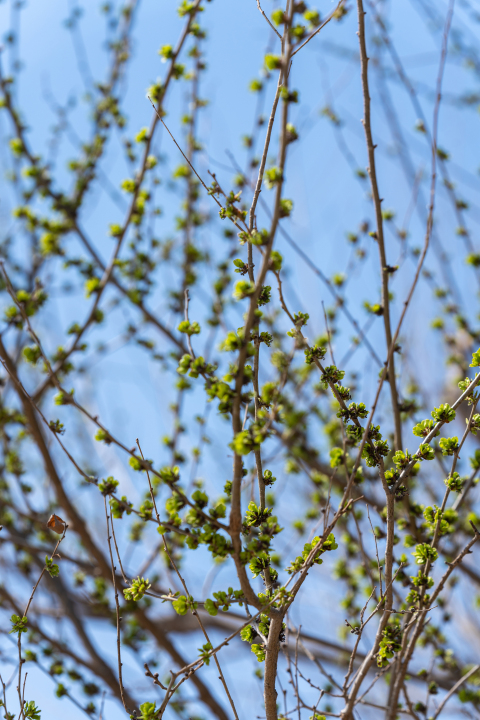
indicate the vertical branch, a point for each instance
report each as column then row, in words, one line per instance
column 273, row 644
column 370, row 657
column 236, row 511
column 271, row 663
column 117, row 609
column 379, row 221
column 256, row 390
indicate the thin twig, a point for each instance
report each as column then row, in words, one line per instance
column 454, row 689
column 268, row 21
column 379, row 222
column 109, row 521
column 325, row 22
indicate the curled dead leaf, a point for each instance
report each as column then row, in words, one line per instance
column 56, row 524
